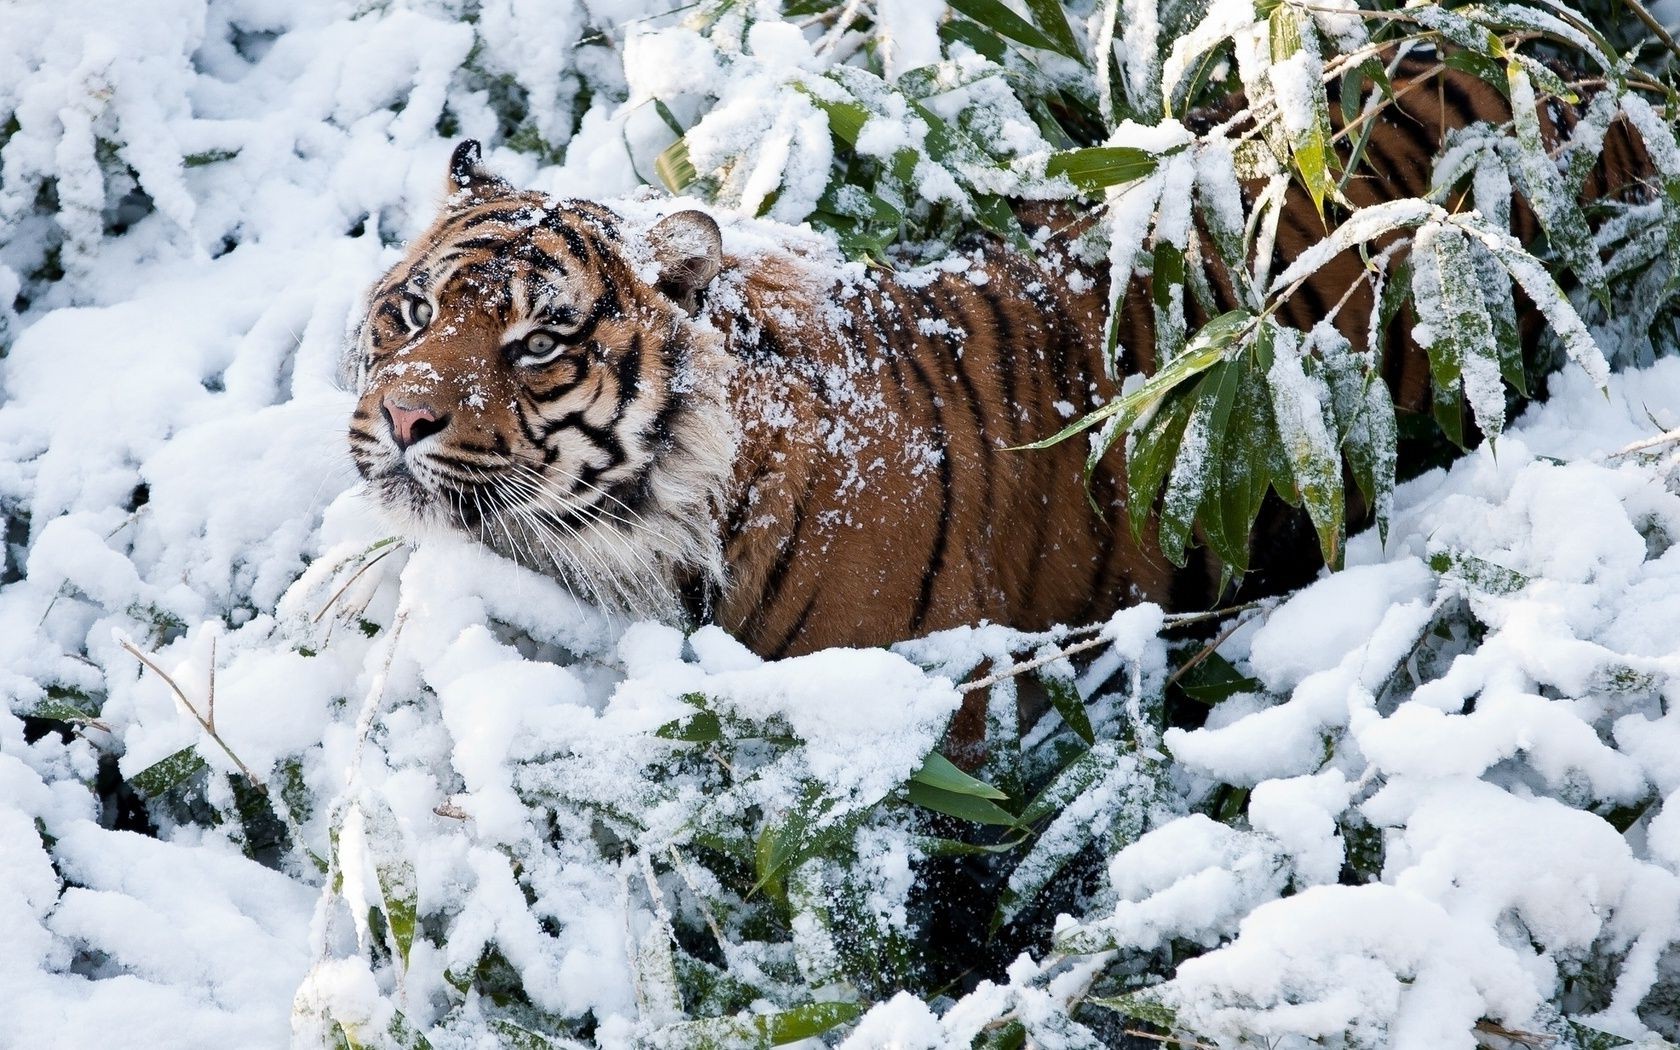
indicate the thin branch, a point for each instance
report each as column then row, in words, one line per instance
column 1206, row 651
column 1174, row 1040
column 370, row 563
column 210, row 703
column 200, row 719
column 1640, row 12
column 1667, row 437
column 1174, row 620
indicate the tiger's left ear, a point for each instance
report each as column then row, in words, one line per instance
column 688, row 248
column 467, row 172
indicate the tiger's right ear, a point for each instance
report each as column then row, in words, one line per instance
column 467, row 172
column 688, row 247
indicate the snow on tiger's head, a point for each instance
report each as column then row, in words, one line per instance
column 530, row 374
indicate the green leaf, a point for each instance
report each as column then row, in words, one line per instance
column 1294, row 42
column 938, row 772
column 1567, row 230
column 1209, row 346
column 1251, row 442
column 1065, row 698
column 983, row 41
column 1215, row 679
column 798, row 835
column 1051, row 16
column 757, row 1030
column 1479, row 573
column 1001, row 20
column 845, row 119
column 1197, row 462
column 1315, row 462
column 700, row 727
column 955, row 804
column 167, row 773
column 1151, row 456
column 993, row 213
column 1073, row 780
column 65, row 705
column 1011, row 1036
column 1167, row 280
column 674, row 168
column 1138, row 1006
column 1098, row 167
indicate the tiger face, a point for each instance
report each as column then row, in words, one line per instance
column 530, row 374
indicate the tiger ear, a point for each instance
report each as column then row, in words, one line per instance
column 688, row 249
column 467, row 172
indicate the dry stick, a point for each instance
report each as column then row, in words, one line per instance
column 1651, row 23
column 1665, row 438
column 210, row 704
column 200, row 719
column 1030, row 665
column 1177, row 620
column 1174, row 1040
column 370, row 563
column 700, row 898
column 1206, row 651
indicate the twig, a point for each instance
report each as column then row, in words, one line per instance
column 450, row 810
column 1499, row 1031
column 681, row 868
column 1034, row 664
column 200, row 719
column 1206, row 651
column 1174, row 1040
column 210, row 703
column 1171, row 621
column 370, row 563
column 1640, row 12
column 1667, row 437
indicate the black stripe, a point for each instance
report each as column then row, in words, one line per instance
column 776, row 578
column 935, row 562
column 793, row 632
column 628, row 372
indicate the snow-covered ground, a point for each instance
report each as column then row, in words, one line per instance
column 1489, row 699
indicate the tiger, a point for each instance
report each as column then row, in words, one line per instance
column 695, row 422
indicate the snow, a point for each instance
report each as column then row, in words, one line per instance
column 1485, row 700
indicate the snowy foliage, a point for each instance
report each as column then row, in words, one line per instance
column 268, row 775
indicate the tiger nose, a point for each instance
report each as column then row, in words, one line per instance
column 409, row 425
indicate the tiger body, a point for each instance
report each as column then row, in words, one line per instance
column 808, row 453
column 815, row 457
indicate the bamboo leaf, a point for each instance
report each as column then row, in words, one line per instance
column 1297, row 76
column 994, row 15
column 965, row 807
column 166, row 773
column 938, row 772
column 1209, row 346
column 1098, row 167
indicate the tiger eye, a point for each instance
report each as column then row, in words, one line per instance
column 420, row 311
column 538, row 343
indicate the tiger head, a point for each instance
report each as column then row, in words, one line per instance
column 531, row 374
